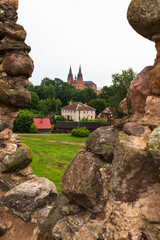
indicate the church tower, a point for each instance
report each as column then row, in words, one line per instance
column 70, row 77
column 80, row 78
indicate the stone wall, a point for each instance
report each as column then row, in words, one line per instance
column 21, row 192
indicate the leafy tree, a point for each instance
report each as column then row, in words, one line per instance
column 98, row 104
column 120, row 87
column 34, row 100
column 106, row 93
column 42, row 107
column 88, row 94
column 58, row 105
column 50, row 91
column 40, row 90
column 51, row 104
column 30, row 87
column 23, row 121
column 60, row 118
column 46, row 82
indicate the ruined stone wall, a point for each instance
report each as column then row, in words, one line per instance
column 15, row 69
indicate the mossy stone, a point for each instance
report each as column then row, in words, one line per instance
column 21, row 159
column 153, row 145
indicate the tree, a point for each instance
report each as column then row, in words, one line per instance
column 98, row 104
column 106, row 93
column 50, row 91
column 42, row 107
column 30, row 87
column 23, row 121
column 58, row 106
column 120, row 87
column 46, row 82
column 88, row 94
column 34, row 100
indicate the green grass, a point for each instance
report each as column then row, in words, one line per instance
column 50, row 160
column 59, row 137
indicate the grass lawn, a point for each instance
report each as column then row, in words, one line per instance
column 50, row 159
column 59, row 137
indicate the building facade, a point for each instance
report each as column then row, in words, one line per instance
column 77, row 111
column 78, row 82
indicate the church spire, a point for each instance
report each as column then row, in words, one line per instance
column 70, row 75
column 80, row 73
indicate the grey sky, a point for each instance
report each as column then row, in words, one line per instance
column 92, row 33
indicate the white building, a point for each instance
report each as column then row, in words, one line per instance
column 77, row 111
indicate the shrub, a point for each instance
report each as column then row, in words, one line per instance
column 60, row 118
column 33, row 128
column 80, row 132
column 84, row 119
column 102, row 121
column 23, row 121
column 52, row 129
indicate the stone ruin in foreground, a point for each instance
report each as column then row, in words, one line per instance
column 111, row 189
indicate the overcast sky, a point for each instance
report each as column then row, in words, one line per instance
column 92, row 33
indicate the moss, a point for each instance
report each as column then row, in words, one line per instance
column 29, row 151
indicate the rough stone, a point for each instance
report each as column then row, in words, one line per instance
column 135, row 129
column 102, row 142
column 144, row 17
column 152, row 109
column 90, row 231
column 18, row 97
column 5, row 124
column 132, row 170
column 119, row 123
column 13, row 3
column 83, row 185
column 25, row 171
column 65, row 228
column 3, row 228
column 122, row 107
column 17, row 64
column 42, row 215
column 153, row 145
column 13, row 31
column 154, row 80
column 29, row 196
column 5, row 185
column 139, row 89
column 54, row 216
column 20, row 159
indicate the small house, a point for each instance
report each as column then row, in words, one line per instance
column 76, row 111
column 43, row 125
column 107, row 115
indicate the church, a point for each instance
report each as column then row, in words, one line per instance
column 78, row 82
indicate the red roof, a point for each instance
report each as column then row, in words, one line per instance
column 42, row 123
column 78, row 106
